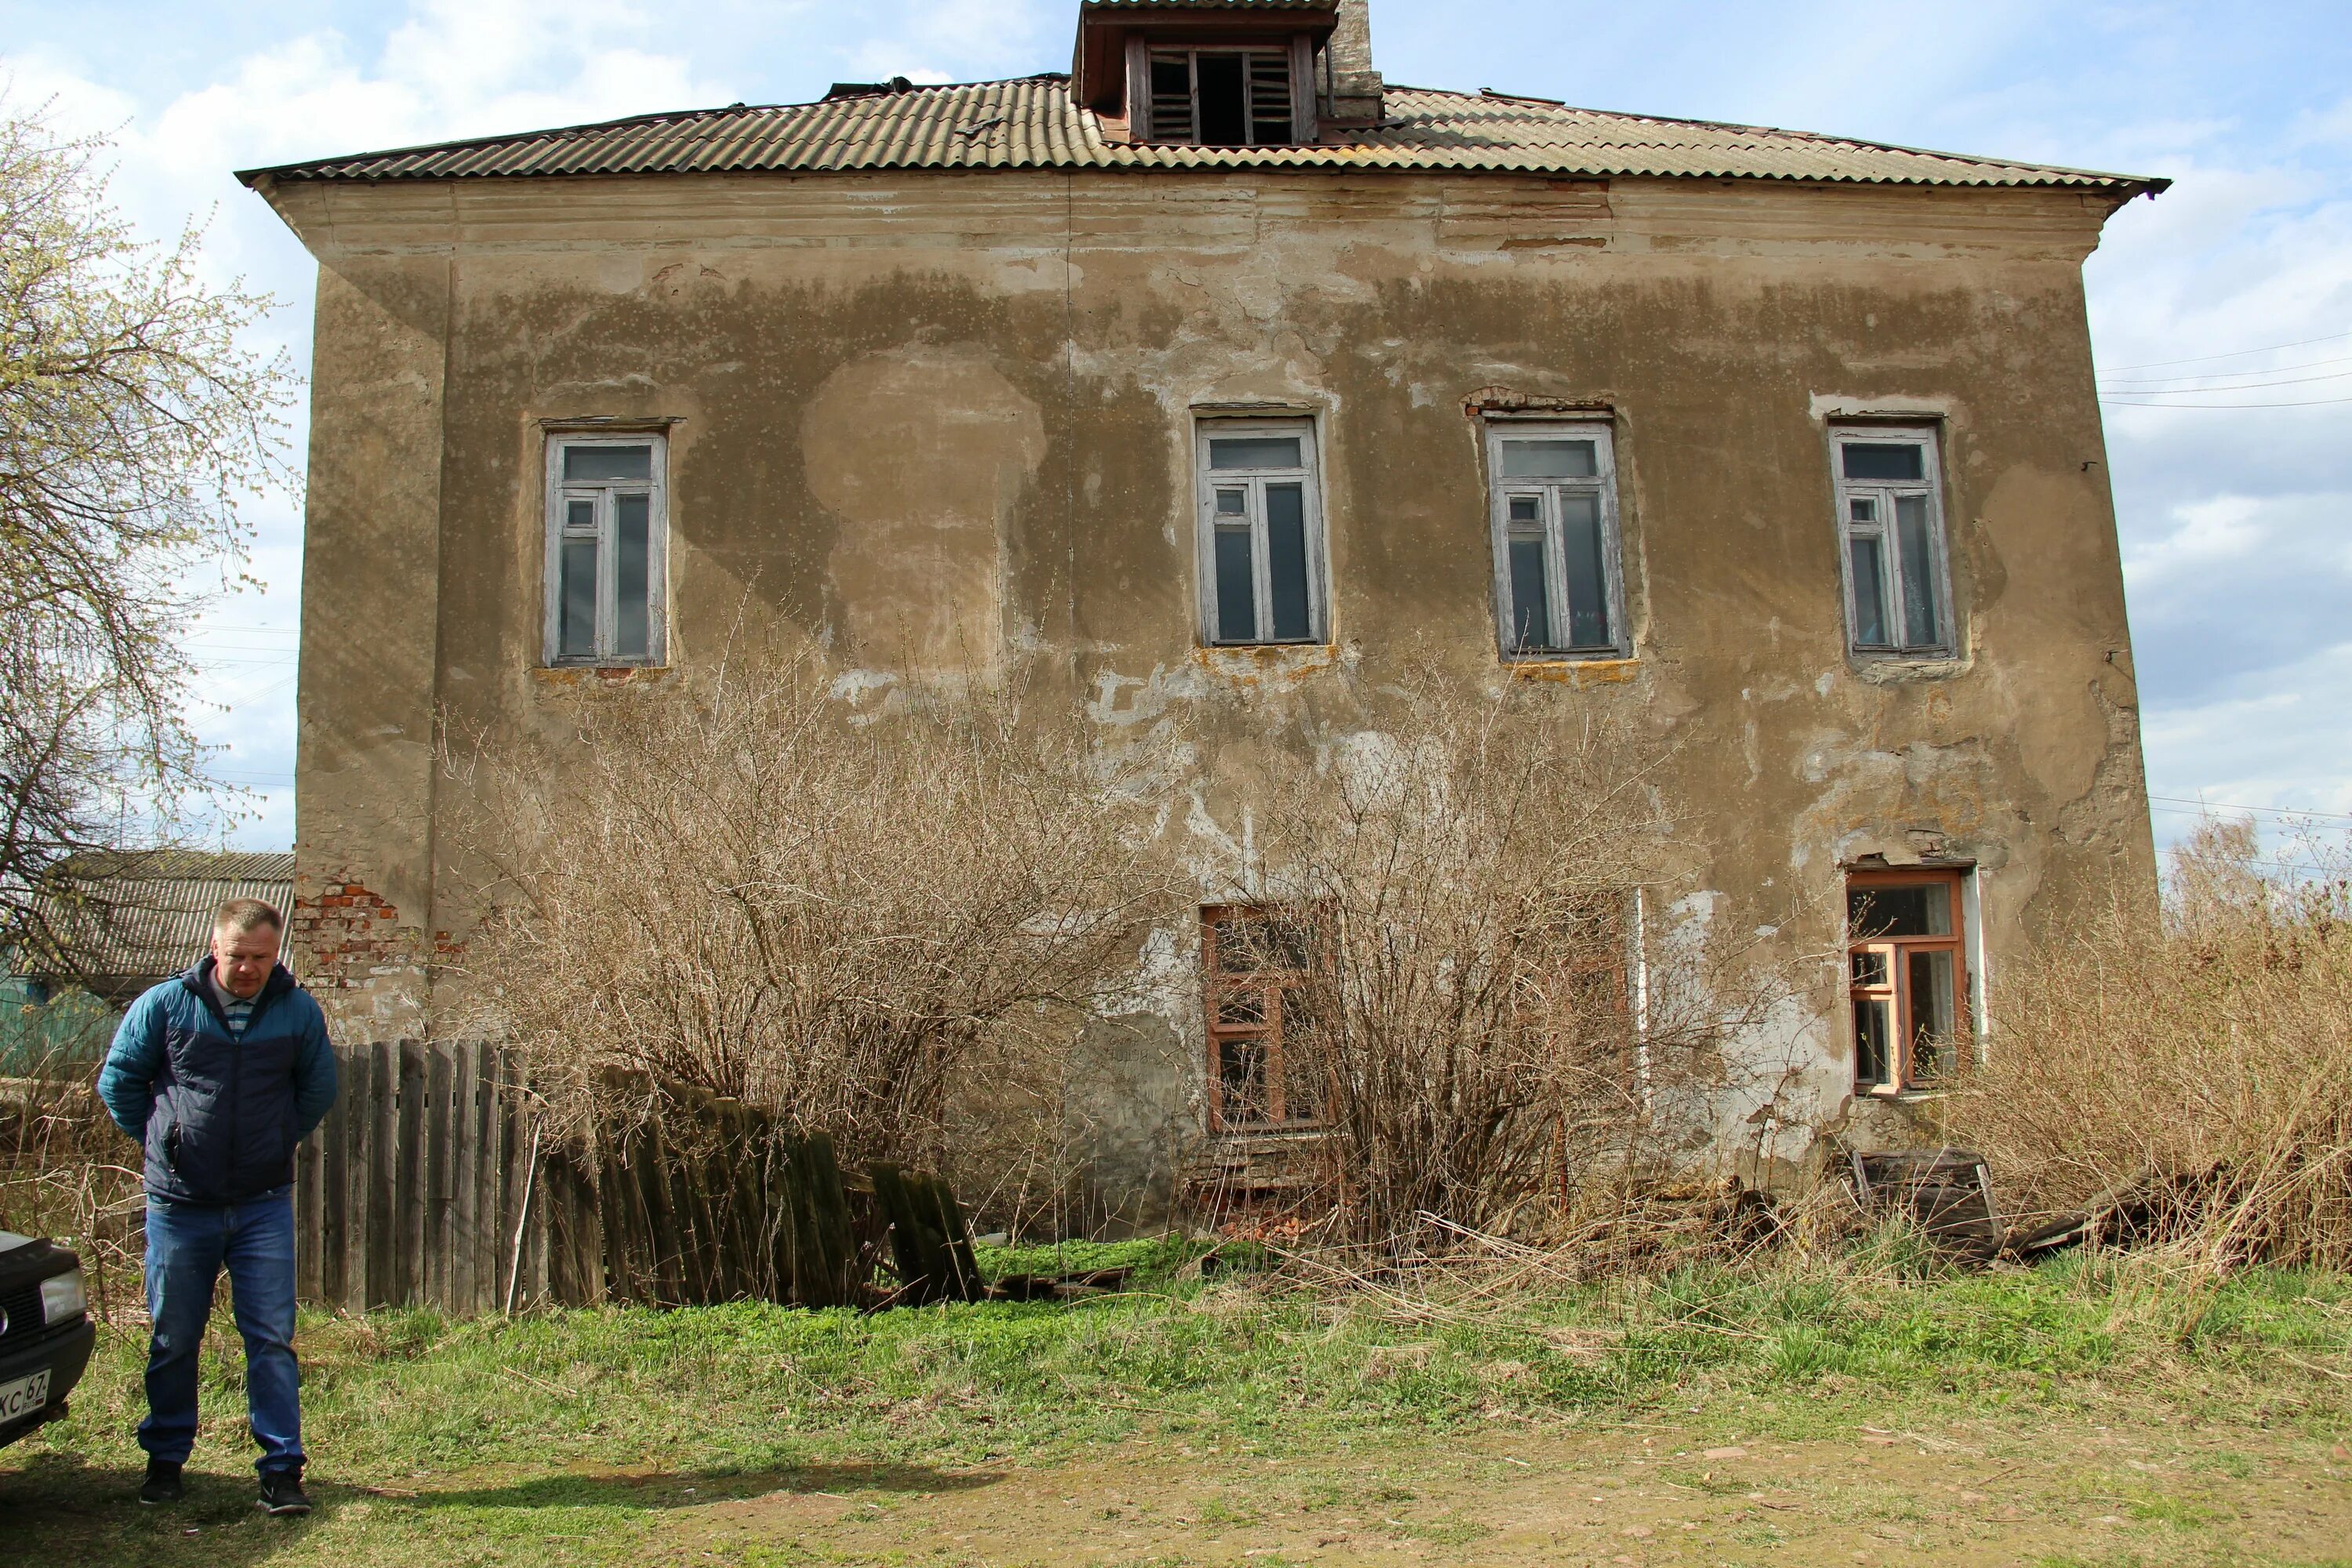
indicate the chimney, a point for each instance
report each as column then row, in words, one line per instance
column 1355, row 86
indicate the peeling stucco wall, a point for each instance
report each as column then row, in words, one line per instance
column 942, row 424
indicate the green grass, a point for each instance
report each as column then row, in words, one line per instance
column 1244, row 1361
column 529, row 1436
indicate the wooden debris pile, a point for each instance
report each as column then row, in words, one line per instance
column 2147, row 1208
column 1670, row 1223
column 1947, row 1192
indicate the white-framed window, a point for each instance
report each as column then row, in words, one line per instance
column 608, row 526
column 1559, row 588
column 1224, row 97
column 1261, row 532
column 1898, row 591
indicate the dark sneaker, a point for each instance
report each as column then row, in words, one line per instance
column 281, row 1492
column 163, row 1483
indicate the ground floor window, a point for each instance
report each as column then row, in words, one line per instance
column 1256, row 960
column 1907, row 976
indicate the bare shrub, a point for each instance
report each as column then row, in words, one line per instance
column 68, row 1173
column 2205, row 1057
column 882, row 925
column 1499, row 1025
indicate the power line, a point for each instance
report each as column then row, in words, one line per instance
column 2310, row 403
column 2263, row 810
column 2238, row 353
column 2224, row 375
column 2157, row 389
column 2174, row 388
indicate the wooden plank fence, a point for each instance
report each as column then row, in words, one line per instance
column 437, row 1181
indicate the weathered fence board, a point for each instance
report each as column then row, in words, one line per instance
column 437, row 1181
column 929, row 1237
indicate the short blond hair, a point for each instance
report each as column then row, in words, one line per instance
column 239, row 916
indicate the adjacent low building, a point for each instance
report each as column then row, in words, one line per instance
column 1209, row 375
column 103, row 926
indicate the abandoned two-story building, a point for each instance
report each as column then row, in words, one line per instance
column 1203, row 374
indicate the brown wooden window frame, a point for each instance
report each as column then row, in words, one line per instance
column 1882, row 980
column 1245, row 1008
column 1161, row 115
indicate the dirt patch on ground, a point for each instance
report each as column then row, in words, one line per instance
column 1654, row 1496
column 2064, row 1493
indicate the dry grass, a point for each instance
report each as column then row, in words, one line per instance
column 1501, row 1019
column 884, row 923
column 2211, row 1052
column 894, row 923
column 68, row 1173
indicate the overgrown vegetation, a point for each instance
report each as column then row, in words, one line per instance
column 2203, row 1060
column 1494, row 1027
column 68, row 1173
column 884, row 924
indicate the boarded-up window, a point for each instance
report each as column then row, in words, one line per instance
column 1907, row 981
column 1257, row 963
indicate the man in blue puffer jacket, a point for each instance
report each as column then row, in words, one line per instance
column 220, row 1073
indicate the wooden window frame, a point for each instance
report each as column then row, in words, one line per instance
column 1268, row 985
column 1308, row 476
column 1894, row 572
column 1878, row 971
column 1502, row 530
column 1144, row 121
column 602, row 496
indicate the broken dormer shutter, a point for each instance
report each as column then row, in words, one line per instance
column 1171, row 99
column 1303, row 128
column 1269, row 98
column 1225, row 97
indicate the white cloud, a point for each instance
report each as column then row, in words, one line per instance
column 2273, row 737
column 460, row 71
column 2223, row 528
column 958, row 40
column 455, row 67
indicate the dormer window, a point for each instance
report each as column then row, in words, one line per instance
column 1209, row 73
column 1222, row 97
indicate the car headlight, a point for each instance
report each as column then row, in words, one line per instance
column 62, row 1297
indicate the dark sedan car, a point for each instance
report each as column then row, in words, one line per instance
column 45, row 1333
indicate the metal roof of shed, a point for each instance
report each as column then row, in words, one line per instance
column 1031, row 122
column 121, row 921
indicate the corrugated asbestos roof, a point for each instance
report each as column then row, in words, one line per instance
column 1032, row 123
column 124, row 921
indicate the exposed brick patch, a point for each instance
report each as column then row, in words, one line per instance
column 346, row 937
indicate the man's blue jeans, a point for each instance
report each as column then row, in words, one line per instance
column 187, row 1247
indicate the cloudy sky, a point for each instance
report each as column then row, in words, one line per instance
column 2222, row 311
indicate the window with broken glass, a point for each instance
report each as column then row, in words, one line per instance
column 1261, row 533
column 1898, row 589
column 1222, row 97
column 606, row 548
column 1258, row 964
column 1558, row 590
column 1908, row 983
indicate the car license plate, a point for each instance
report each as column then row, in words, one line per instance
column 24, row 1397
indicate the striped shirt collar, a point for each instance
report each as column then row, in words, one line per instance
column 236, row 1010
